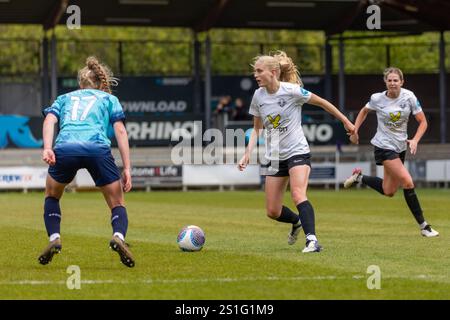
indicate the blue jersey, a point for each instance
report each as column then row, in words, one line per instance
column 84, row 117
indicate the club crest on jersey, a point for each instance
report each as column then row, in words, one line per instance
column 395, row 116
column 274, row 121
column 403, row 105
column 281, row 102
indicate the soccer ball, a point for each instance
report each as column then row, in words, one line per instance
column 191, row 238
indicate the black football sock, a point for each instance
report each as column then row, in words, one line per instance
column 306, row 213
column 374, row 182
column 288, row 216
column 414, row 205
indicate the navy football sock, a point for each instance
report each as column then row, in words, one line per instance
column 306, row 213
column 288, row 216
column 119, row 220
column 52, row 215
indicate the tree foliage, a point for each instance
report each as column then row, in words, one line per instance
column 169, row 51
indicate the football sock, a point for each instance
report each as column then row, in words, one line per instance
column 423, row 225
column 54, row 236
column 119, row 220
column 306, row 213
column 373, row 182
column 52, row 216
column 119, row 235
column 414, row 205
column 288, row 216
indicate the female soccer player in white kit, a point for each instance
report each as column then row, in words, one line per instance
column 393, row 108
column 276, row 106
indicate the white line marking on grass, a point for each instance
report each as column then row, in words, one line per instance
column 220, row 280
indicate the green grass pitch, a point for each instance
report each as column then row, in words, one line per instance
column 246, row 255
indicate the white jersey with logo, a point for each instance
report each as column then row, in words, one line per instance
column 393, row 116
column 281, row 114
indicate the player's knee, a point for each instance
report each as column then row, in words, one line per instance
column 53, row 193
column 389, row 193
column 273, row 213
column 298, row 196
column 408, row 184
column 112, row 203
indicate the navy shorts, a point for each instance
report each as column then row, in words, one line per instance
column 284, row 166
column 102, row 168
column 385, row 154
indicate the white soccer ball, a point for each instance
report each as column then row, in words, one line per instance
column 191, row 238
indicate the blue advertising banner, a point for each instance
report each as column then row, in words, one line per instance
column 18, row 131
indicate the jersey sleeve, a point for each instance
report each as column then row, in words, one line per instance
column 115, row 110
column 55, row 108
column 371, row 104
column 414, row 104
column 254, row 108
column 302, row 95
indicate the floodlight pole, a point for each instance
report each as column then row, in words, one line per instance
column 53, row 60
column 197, row 76
column 442, row 89
column 341, row 75
column 44, row 72
column 207, row 121
column 328, row 69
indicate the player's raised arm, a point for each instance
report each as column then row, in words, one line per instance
column 330, row 108
column 362, row 115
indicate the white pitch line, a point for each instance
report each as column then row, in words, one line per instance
column 220, row 280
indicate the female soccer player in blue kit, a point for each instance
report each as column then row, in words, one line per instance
column 82, row 142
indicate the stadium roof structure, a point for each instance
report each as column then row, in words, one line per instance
column 330, row 16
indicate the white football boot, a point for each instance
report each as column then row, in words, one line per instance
column 429, row 232
column 353, row 179
column 312, row 246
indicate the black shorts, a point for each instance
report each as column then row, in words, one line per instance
column 385, row 154
column 281, row 168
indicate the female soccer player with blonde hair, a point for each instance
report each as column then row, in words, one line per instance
column 277, row 106
column 84, row 116
column 393, row 108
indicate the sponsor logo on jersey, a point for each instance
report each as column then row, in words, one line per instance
column 276, row 125
column 274, row 121
column 395, row 116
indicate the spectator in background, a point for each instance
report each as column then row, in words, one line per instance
column 224, row 105
column 240, row 111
